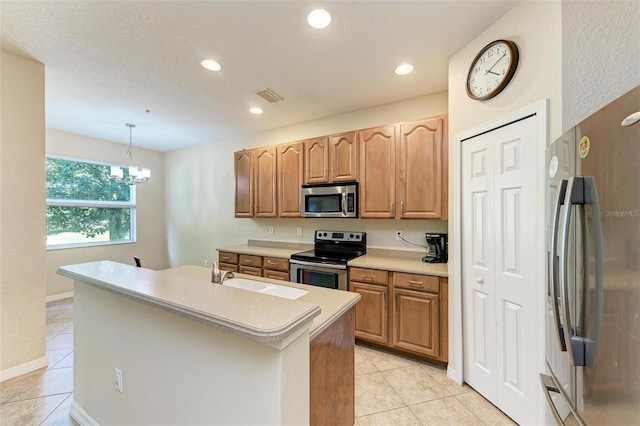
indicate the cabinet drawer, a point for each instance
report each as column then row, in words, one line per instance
column 250, row 270
column 254, row 261
column 228, row 267
column 416, row 282
column 276, row 275
column 373, row 276
column 276, row 264
column 225, row 257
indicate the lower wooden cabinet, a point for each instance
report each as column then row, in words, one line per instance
column 269, row 267
column 409, row 313
column 371, row 312
column 416, row 319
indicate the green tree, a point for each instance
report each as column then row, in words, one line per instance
column 69, row 180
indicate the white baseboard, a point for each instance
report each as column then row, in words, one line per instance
column 60, row 296
column 79, row 415
column 25, row 368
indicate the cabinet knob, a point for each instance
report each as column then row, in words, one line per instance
column 479, row 280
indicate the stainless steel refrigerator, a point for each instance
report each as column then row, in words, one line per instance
column 593, row 289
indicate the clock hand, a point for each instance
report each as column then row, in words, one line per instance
column 495, row 63
column 491, row 72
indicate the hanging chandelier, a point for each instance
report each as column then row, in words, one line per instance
column 136, row 174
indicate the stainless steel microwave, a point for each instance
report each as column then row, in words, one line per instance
column 330, row 200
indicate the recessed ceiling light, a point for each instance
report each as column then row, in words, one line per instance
column 404, row 69
column 319, row 18
column 211, row 65
column 255, row 110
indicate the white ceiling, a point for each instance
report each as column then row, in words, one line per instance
column 107, row 62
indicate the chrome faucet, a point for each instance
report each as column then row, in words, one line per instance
column 218, row 276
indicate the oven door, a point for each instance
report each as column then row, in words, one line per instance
column 318, row 274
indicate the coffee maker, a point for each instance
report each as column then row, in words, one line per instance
column 436, row 248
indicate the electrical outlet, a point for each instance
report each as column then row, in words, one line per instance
column 206, row 262
column 398, row 235
column 118, row 380
column 299, row 230
column 271, row 230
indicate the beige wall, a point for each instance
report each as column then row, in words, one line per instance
column 151, row 245
column 536, row 28
column 600, row 55
column 200, row 189
column 22, row 215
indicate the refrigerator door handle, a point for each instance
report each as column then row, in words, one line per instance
column 581, row 350
column 553, row 265
column 574, row 344
column 591, row 197
column 550, row 384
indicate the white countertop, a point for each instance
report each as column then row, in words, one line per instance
column 333, row 303
column 255, row 316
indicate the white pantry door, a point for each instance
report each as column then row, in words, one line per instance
column 500, row 212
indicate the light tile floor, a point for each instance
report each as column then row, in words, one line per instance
column 390, row 389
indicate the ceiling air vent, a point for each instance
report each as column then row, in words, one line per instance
column 270, row 96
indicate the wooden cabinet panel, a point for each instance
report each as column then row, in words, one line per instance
column 228, row 267
column 343, row 157
column 249, row 260
column 243, row 170
column 276, row 264
column 416, row 282
column 372, row 317
column 415, row 319
column 225, row 257
column 265, row 182
column 369, row 276
column 316, row 160
column 290, row 177
column 377, row 172
column 419, row 178
column 276, row 275
column 444, row 319
column 250, row 270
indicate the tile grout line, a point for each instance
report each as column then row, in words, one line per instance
column 57, row 406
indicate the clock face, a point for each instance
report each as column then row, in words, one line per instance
column 492, row 69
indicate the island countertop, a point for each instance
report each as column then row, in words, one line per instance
column 255, row 316
column 333, row 303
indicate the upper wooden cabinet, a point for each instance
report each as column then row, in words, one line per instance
column 419, row 182
column 331, row 159
column 403, row 172
column 377, row 172
column 265, row 182
column 290, row 165
column 243, row 170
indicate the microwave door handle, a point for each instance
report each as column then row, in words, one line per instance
column 344, row 204
column 553, row 265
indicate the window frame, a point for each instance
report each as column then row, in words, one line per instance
column 131, row 205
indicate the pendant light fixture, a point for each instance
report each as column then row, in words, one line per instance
column 136, row 175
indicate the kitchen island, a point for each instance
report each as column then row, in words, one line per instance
column 192, row 352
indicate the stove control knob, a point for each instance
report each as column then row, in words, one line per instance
column 350, row 235
column 357, row 236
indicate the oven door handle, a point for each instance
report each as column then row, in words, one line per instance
column 317, row 265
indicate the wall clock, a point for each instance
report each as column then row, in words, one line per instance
column 492, row 69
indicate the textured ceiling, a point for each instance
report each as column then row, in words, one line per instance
column 107, row 62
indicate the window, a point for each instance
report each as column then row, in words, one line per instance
column 85, row 206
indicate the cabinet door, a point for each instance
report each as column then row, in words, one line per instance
column 343, row 157
column 377, row 172
column 265, row 175
column 371, row 312
column 316, row 160
column 290, row 178
column 415, row 319
column 276, row 264
column 243, row 169
column 419, row 179
column 276, row 275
